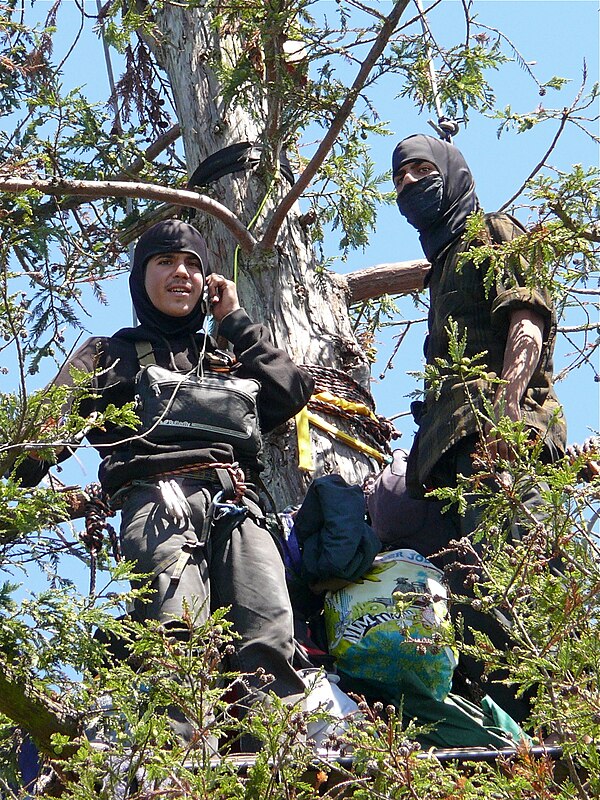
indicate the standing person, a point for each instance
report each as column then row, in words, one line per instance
column 515, row 326
column 189, row 517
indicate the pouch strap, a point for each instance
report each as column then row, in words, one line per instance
column 145, row 353
column 184, row 557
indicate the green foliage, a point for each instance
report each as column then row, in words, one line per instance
column 458, row 364
column 369, row 317
column 125, row 705
column 349, row 191
column 24, row 511
column 129, row 745
column 50, row 254
column 545, row 584
column 122, row 20
column 560, row 252
column 540, row 568
column 52, row 251
column 511, row 120
column 462, row 85
column 47, row 420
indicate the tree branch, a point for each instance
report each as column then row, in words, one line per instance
column 541, row 163
column 130, row 171
column 335, row 128
column 36, row 713
column 145, row 191
column 565, row 116
column 402, row 277
column 592, row 235
column 150, row 153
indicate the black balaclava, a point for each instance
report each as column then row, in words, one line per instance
column 442, row 207
column 170, row 236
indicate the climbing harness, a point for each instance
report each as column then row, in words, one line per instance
column 229, row 477
column 227, row 502
column 95, row 506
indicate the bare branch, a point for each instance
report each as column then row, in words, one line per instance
column 400, row 338
column 563, row 121
column 593, row 292
column 151, row 152
column 402, row 277
column 146, row 191
column 590, row 326
column 335, row 128
column 541, row 163
column 581, row 358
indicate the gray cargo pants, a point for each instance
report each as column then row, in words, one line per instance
column 238, row 566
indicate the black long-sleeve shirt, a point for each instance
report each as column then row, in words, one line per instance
column 113, row 361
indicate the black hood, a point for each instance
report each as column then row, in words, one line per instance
column 459, row 198
column 170, row 236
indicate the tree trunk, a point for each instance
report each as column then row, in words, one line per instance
column 306, row 311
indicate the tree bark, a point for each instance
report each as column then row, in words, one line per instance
column 306, row 311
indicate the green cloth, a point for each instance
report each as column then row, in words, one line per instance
column 455, row 722
column 460, row 294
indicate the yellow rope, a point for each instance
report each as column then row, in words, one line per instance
column 305, row 459
column 345, row 405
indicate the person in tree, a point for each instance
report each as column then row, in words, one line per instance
column 183, row 482
column 512, row 323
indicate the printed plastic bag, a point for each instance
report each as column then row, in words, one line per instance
column 373, row 639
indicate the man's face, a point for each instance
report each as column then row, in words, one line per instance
column 413, row 172
column 174, row 282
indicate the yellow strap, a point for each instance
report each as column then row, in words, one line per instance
column 346, row 405
column 305, row 459
column 319, row 422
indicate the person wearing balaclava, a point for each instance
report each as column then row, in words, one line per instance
column 512, row 324
column 184, row 481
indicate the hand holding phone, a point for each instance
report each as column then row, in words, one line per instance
column 222, row 296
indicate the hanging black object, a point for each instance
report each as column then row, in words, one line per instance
column 237, row 157
column 445, row 128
